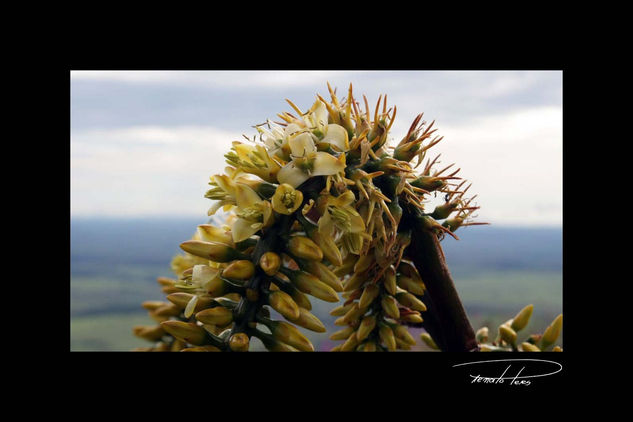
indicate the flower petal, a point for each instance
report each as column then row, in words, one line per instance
column 326, row 164
column 215, row 207
column 358, row 225
column 245, row 196
column 202, row 274
column 292, row 175
column 243, row 150
column 326, row 224
column 302, row 145
column 225, row 183
column 267, row 214
column 318, row 115
column 191, row 305
column 243, row 229
column 336, row 135
column 283, row 202
column 291, row 129
column 343, row 200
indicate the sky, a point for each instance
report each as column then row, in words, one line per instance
column 144, row 143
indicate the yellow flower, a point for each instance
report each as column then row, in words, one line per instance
column 286, row 199
column 253, row 213
column 253, row 159
column 223, row 191
column 341, row 215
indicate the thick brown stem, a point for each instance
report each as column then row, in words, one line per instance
column 447, row 320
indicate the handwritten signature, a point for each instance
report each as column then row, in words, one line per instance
column 513, row 372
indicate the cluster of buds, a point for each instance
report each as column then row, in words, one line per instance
column 314, row 205
column 507, row 337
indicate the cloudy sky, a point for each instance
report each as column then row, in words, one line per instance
column 145, row 143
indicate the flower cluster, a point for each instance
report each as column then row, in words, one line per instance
column 507, row 337
column 315, row 204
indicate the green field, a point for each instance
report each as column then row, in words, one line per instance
column 490, row 299
column 114, row 266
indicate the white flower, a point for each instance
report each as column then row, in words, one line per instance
column 307, row 161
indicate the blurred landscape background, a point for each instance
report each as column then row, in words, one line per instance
column 115, row 262
column 144, row 143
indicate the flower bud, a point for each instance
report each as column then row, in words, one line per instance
column 350, row 344
column 369, row 346
column 289, row 334
column 239, row 342
column 366, row 327
column 309, row 321
column 270, row 263
column 426, row 338
column 346, row 266
column 522, row 318
column 158, row 318
column 343, row 334
column 370, row 293
column 309, row 284
column 453, row 223
column 282, row 302
column 278, row 346
column 401, row 332
column 406, row 151
column 353, row 314
column 161, row 347
column 164, row 281
column 216, row 316
column 386, row 335
column 185, row 331
column 207, row 348
column 354, row 282
column 341, row 310
column 443, row 211
column 323, row 273
column 177, row 345
column 390, row 307
column 410, row 301
column 507, row 334
column 149, row 333
column 169, row 289
column 482, row 335
column 410, row 284
column 209, row 233
column 529, row 347
column 389, row 280
column 413, row 317
column 239, row 270
column 428, row 183
column 363, row 263
column 168, row 310
column 213, row 251
column 152, row 305
column 328, row 248
column 182, row 300
column 552, row 332
column 303, row 247
column 402, row 345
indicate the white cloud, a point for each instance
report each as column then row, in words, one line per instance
column 513, row 161
column 145, row 170
column 211, row 79
column 504, row 129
